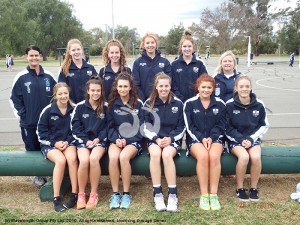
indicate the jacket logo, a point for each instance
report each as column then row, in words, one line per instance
column 217, row 91
column 117, row 111
column 54, row 117
column 27, row 85
column 102, row 116
column 47, row 83
column 255, row 113
column 71, row 74
column 196, row 111
column 195, row 69
column 85, row 116
column 174, row 109
column 236, row 111
column 106, row 77
column 89, row 73
column 135, row 112
column 178, row 70
column 155, row 109
column 143, row 64
column 161, row 65
column 215, row 111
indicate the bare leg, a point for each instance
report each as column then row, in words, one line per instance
column 155, row 166
column 114, row 169
column 95, row 169
column 241, row 166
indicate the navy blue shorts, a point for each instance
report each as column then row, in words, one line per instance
column 175, row 144
column 232, row 144
column 189, row 145
column 45, row 149
column 137, row 145
column 101, row 144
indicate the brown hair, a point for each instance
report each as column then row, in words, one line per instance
column 97, row 80
column 154, row 92
column 133, row 95
column 59, row 85
column 204, row 77
column 187, row 35
column 149, row 34
column 105, row 52
column 68, row 58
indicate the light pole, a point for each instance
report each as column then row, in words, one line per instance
column 249, row 50
column 113, row 22
column 279, row 45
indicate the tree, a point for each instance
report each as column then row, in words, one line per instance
column 173, row 39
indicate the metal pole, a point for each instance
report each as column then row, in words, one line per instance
column 249, row 50
column 113, row 22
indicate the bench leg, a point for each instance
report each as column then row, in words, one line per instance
column 46, row 191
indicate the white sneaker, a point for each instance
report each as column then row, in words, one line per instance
column 172, row 203
column 159, row 202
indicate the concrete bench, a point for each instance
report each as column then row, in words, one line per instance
column 275, row 160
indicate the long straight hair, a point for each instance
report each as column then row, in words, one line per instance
column 68, row 58
column 97, row 80
column 55, row 89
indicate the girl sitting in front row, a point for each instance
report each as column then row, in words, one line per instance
column 57, row 145
column 124, row 124
column 164, row 127
column 89, row 128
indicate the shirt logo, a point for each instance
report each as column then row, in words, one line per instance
column 236, row 111
column 71, row 74
column 255, row 113
column 217, row 91
column 196, row 111
column 89, row 72
column 178, row 70
column 215, row 111
column 27, row 84
column 85, row 116
column 143, row 64
column 195, row 69
column 174, row 109
column 161, row 65
column 54, row 118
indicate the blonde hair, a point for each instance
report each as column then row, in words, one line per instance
column 60, row 85
column 68, row 58
column 154, row 92
column 187, row 35
column 219, row 68
column 149, row 34
column 241, row 77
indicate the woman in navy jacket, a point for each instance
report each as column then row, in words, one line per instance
column 89, row 128
column 246, row 124
column 164, row 127
column 75, row 71
column 57, row 145
column 226, row 76
column 114, row 63
column 205, row 121
column 186, row 68
column 124, row 123
column 148, row 65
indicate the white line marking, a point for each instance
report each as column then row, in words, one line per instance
column 284, row 89
column 282, row 114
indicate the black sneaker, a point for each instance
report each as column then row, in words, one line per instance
column 242, row 195
column 254, row 197
column 71, row 202
column 58, row 206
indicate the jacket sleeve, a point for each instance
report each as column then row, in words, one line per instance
column 77, row 127
column 263, row 126
column 137, row 79
column 62, row 77
column 179, row 131
column 192, row 130
column 168, row 68
column 94, row 71
column 103, row 132
column 43, row 128
column 113, row 134
column 218, row 130
column 17, row 101
column 231, row 132
column 148, row 124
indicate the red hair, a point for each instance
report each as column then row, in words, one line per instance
column 204, row 77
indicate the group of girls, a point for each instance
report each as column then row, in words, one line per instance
column 112, row 119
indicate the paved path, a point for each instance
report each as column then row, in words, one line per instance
column 278, row 85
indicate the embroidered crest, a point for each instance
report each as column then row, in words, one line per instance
column 143, row 64
column 135, row 112
column 174, row 109
column 217, row 91
column 27, row 84
column 54, row 118
column 47, row 83
column 196, row 111
column 236, row 111
column 71, row 74
column 102, row 116
column 85, row 116
column 89, row 73
column 255, row 113
column 195, row 69
column 215, row 111
column 161, row 65
column 107, row 77
column 178, row 70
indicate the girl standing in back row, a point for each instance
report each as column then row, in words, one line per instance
column 75, row 71
column 114, row 59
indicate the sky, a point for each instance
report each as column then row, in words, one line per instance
column 157, row 16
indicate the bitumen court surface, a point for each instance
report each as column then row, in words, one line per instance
column 277, row 85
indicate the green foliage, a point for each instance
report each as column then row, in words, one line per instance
column 173, row 39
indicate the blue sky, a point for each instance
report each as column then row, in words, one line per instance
column 152, row 15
